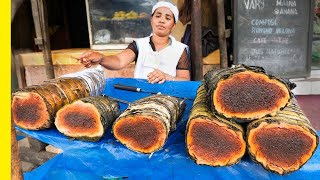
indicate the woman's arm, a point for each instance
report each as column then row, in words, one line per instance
column 113, row 62
column 182, row 75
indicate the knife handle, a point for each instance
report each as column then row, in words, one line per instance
column 128, row 88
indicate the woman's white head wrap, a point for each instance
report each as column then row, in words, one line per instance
column 172, row 7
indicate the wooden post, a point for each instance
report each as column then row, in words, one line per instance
column 196, row 45
column 222, row 34
column 40, row 18
column 16, row 170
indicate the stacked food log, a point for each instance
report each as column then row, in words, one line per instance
column 279, row 135
column 212, row 140
column 245, row 93
column 284, row 142
column 87, row 118
column 35, row 107
column 145, row 125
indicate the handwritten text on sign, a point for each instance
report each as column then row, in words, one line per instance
column 272, row 32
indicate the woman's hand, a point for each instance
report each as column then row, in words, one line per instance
column 90, row 58
column 157, row 76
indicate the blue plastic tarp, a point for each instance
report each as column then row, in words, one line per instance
column 108, row 158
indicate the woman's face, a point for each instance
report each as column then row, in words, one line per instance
column 162, row 21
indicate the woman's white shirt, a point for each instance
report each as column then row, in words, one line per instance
column 165, row 60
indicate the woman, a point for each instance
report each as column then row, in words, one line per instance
column 159, row 57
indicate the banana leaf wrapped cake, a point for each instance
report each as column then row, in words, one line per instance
column 282, row 143
column 87, row 118
column 35, row 107
column 278, row 135
column 146, row 124
column 245, row 93
column 212, row 140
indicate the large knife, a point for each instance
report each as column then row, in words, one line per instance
column 137, row 89
column 132, row 88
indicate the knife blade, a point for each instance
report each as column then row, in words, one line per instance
column 133, row 89
column 137, row 89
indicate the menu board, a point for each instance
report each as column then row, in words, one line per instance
column 274, row 34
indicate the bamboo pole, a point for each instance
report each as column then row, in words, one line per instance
column 196, row 46
column 40, row 18
column 222, row 34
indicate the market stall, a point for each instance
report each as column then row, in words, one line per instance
column 108, row 158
